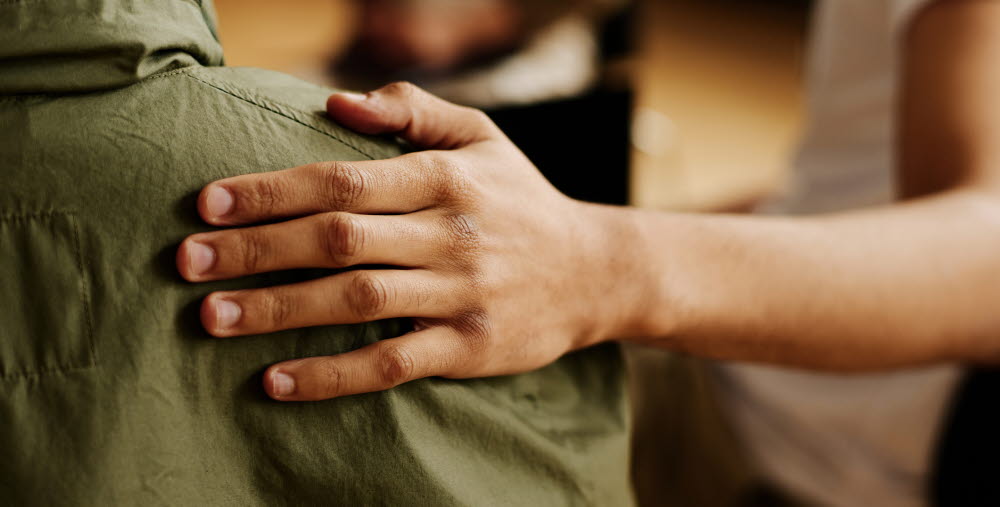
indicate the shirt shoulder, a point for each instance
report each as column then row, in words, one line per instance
column 289, row 97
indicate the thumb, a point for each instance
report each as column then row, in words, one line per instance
column 409, row 112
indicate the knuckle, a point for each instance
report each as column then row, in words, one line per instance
column 427, row 161
column 369, row 297
column 475, row 328
column 343, row 238
column 278, row 308
column 264, row 196
column 401, row 89
column 332, row 377
column 463, row 232
column 253, row 251
column 397, row 365
column 478, row 116
column 454, row 181
column 345, row 185
column 456, row 176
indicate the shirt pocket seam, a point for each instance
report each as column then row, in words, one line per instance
column 84, row 295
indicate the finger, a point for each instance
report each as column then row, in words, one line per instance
column 376, row 367
column 327, row 240
column 346, row 298
column 399, row 185
column 413, row 114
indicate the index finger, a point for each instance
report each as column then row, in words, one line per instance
column 402, row 184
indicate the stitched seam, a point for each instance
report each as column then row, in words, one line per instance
column 45, row 372
column 16, row 217
column 21, row 218
column 167, row 73
column 34, row 215
column 282, row 114
column 84, row 288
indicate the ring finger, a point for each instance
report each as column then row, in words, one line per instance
column 345, row 298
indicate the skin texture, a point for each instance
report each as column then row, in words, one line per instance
column 504, row 274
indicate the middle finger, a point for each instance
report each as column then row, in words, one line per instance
column 327, row 240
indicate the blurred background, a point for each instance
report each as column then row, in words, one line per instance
column 689, row 105
column 672, row 104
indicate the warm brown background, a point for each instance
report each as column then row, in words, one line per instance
column 722, row 78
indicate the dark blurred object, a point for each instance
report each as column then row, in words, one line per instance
column 480, row 53
column 425, row 37
column 969, row 451
column 581, row 145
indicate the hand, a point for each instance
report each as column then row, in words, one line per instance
column 500, row 272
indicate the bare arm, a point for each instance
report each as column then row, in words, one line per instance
column 906, row 284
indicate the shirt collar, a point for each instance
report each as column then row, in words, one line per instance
column 71, row 46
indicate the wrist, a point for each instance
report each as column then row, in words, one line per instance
column 636, row 302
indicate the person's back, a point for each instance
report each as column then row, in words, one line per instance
column 113, row 114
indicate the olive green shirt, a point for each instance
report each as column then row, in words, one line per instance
column 113, row 114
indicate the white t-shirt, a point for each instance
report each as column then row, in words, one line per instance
column 835, row 440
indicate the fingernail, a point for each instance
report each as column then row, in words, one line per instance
column 201, row 258
column 219, row 202
column 357, row 97
column 227, row 313
column 282, row 384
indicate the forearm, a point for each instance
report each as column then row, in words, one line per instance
column 907, row 284
column 902, row 285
